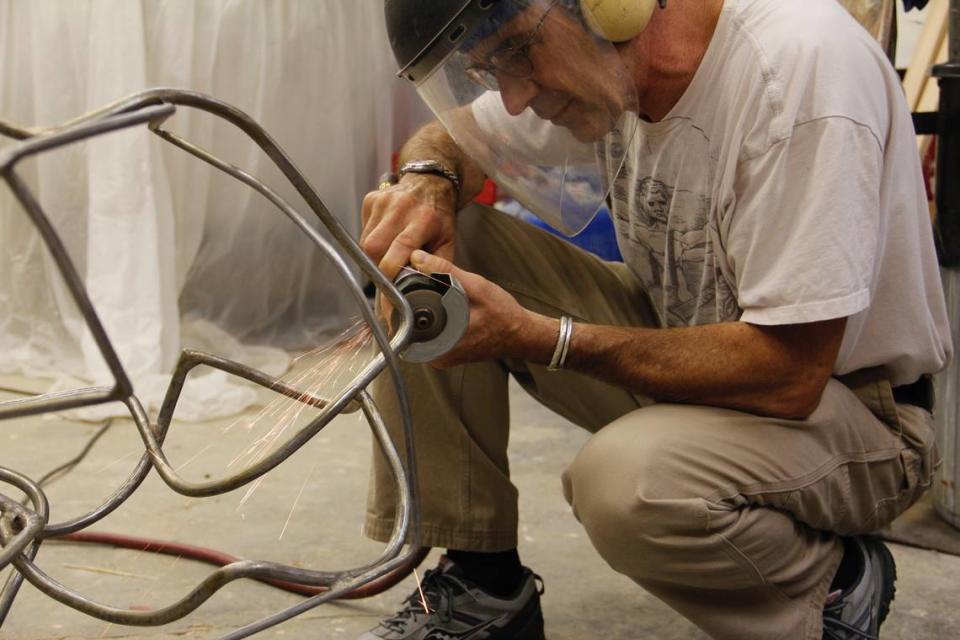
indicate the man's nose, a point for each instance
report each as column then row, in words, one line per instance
column 516, row 93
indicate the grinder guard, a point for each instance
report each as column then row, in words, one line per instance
column 441, row 313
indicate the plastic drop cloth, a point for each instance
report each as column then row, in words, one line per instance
column 174, row 254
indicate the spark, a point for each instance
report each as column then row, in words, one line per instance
column 109, row 572
column 201, row 452
column 333, row 360
column 120, row 459
column 296, row 502
column 423, row 598
column 148, row 590
column 249, row 494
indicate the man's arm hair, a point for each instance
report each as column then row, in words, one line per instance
column 433, row 142
column 778, row 371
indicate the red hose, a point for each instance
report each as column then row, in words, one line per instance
column 220, row 559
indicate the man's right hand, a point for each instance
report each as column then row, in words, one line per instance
column 417, row 213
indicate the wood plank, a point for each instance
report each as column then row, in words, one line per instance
column 931, row 41
column 930, row 100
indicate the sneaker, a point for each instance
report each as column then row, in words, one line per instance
column 857, row 613
column 459, row 610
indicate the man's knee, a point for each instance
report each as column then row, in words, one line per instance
column 632, row 488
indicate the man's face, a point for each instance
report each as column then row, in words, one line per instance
column 546, row 60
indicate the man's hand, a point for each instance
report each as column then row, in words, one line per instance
column 420, row 211
column 499, row 327
column 417, row 213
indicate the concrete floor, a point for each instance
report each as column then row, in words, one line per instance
column 584, row 600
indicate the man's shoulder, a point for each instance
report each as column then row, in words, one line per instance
column 814, row 61
column 798, row 25
column 806, row 41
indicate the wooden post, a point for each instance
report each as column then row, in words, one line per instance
column 954, row 31
column 929, row 46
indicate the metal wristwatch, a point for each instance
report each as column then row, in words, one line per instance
column 430, row 167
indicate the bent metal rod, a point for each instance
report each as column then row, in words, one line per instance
column 23, row 528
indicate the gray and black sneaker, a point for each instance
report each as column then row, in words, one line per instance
column 857, row 613
column 459, row 610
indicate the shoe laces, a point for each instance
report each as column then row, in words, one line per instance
column 438, row 589
column 836, row 629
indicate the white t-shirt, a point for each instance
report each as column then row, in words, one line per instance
column 785, row 187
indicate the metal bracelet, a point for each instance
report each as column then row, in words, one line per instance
column 563, row 344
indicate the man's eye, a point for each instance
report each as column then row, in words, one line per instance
column 508, row 44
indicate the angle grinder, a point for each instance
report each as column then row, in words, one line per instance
column 441, row 313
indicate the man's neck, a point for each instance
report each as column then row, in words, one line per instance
column 665, row 57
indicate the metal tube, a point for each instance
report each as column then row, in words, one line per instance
column 58, row 401
column 19, row 545
column 126, row 114
column 42, row 509
column 32, row 520
column 343, row 581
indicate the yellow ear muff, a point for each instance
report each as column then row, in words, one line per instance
column 618, row 20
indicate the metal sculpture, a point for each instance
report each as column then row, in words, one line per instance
column 23, row 527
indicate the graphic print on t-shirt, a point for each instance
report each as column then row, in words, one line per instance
column 665, row 220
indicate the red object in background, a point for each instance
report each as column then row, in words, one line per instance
column 929, row 166
column 487, row 195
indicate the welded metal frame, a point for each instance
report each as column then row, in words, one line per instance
column 23, row 529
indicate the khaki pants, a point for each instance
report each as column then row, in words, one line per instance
column 729, row 518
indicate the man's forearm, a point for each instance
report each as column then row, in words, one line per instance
column 432, row 142
column 775, row 371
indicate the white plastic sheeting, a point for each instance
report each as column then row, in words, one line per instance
column 173, row 253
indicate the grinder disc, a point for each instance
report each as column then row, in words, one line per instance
column 429, row 316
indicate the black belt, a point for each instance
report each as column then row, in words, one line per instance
column 918, row 394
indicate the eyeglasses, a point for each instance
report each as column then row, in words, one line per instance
column 510, row 60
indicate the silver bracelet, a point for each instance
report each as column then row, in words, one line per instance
column 563, row 344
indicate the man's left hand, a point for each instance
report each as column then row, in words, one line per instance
column 498, row 327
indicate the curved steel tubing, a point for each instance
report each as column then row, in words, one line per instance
column 9, row 157
column 10, row 538
column 338, row 582
column 32, row 521
column 19, row 544
column 122, row 391
column 126, row 114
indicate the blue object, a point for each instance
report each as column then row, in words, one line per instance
column 914, row 4
column 599, row 237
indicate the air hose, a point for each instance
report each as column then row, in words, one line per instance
column 220, row 559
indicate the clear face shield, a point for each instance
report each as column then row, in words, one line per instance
column 542, row 104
